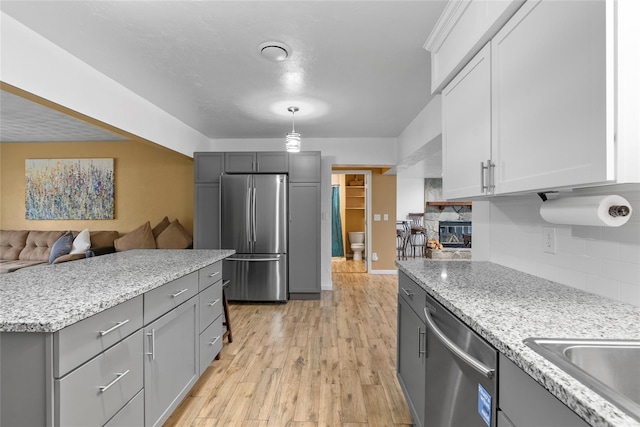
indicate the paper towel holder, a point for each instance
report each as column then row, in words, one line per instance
column 619, row 210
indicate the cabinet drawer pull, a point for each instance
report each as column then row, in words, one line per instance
column 211, row 304
column 214, row 274
column 179, row 293
column 215, row 340
column 119, row 376
column 406, row 292
column 113, row 328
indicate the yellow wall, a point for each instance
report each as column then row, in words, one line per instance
column 150, row 182
column 383, row 201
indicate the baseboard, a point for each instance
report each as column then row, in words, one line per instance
column 383, row 272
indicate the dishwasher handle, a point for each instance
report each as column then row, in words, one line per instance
column 468, row 359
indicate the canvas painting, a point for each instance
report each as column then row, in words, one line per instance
column 69, row 189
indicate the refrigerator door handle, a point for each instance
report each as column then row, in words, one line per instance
column 248, row 217
column 253, row 214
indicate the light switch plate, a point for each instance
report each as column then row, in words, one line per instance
column 376, row 217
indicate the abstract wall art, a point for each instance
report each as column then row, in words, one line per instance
column 69, row 189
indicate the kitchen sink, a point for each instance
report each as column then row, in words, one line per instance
column 611, row 368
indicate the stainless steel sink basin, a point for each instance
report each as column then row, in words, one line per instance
column 610, row 368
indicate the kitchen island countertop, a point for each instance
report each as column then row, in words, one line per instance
column 505, row 306
column 47, row 298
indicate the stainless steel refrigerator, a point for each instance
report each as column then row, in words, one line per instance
column 253, row 221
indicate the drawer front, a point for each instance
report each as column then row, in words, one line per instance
column 96, row 391
column 209, row 275
column 210, row 344
column 412, row 293
column 131, row 415
column 81, row 341
column 210, row 305
column 168, row 296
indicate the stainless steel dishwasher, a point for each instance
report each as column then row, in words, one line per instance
column 461, row 373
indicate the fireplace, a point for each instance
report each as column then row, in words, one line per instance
column 455, row 234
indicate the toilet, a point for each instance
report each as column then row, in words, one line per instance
column 357, row 244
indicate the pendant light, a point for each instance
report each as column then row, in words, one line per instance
column 293, row 137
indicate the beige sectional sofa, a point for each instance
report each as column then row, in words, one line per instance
column 25, row 248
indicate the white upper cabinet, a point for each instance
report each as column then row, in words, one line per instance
column 466, row 129
column 563, row 102
column 463, row 28
column 549, row 84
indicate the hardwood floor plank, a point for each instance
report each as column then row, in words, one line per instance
column 327, row 362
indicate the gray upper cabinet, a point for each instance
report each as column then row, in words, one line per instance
column 261, row 162
column 208, row 166
column 304, row 166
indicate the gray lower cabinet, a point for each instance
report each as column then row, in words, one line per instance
column 206, row 216
column 525, row 403
column 411, row 357
column 96, row 391
column 171, row 360
column 129, row 365
column 131, row 415
column 304, row 241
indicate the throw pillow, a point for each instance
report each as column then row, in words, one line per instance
column 159, row 228
column 140, row 238
column 81, row 243
column 62, row 246
column 175, row 236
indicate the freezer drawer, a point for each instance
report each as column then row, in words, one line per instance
column 256, row 277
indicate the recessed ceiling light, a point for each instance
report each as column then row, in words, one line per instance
column 274, row 51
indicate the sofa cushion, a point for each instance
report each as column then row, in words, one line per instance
column 38, row 246
column 11, row 243
column 159, row 228
column 175, row 236
column 62, row 246
column 140, row 238
column 103, row 239
column 81, row 242
column 68, row 257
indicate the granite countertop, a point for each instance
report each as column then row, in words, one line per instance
column 46, row 298
column 506, row 306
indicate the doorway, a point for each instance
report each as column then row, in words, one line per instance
column 349, row 221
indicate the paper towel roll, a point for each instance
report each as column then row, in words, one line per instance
column 585, row 210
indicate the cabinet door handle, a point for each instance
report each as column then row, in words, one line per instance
column 420, row 350
column 152, row 344
column 179, row 293
column 118, row 377
column 406, row 292
column 483, row 187
column 212, row 303
column 214, row 274
column 113, row 328
column 215, row 340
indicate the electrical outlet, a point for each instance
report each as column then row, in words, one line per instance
column 374, row 256
column 549, row 239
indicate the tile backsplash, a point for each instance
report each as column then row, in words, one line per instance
column 601, row 260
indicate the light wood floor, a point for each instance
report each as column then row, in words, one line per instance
column 347, row 265
column 307, row 363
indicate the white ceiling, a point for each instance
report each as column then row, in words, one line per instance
column 357, row 68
